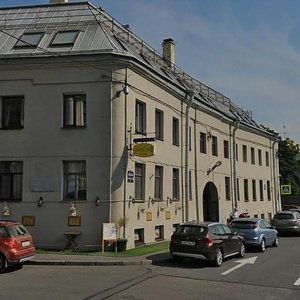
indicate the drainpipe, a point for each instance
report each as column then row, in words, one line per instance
column 187, row 142
column 235, row 195
column 274, row 174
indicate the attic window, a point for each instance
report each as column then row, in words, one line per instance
column 30, row 39
column 64, row 38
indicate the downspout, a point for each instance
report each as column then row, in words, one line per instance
column 274, row 174
column 196, row 168
column 125, row 159
column 235, row 195
column 187, row 142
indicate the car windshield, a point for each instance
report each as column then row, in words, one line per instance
column 243, row 225
column 284, row 216
column 192, row 230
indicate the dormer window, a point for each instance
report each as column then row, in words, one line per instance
column 29, row 40
column 64, row 38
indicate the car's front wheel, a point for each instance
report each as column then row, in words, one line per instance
column 177, row 258
column 2, row 263
column 276, row 241
column 218, row 260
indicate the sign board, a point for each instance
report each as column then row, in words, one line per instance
column 285, row 189
column 109, row 231
column 143, row 150
column 130, row 176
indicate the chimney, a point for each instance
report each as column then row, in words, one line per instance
column 58, row 1
column 169, row 51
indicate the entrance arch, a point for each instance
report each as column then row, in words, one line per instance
column 210, row 203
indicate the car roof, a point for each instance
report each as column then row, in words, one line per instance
column 201, row 223
column 247, row 220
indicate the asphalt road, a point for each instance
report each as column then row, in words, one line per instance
column 270, row 276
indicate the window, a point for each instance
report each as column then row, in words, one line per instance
column 190, row 138
column 65, row 38
column 159, row 232
column 259, row 157
column 246, row 190
column 267, row 159
column 74, row 180
column 227, row 188
column 190, row 186
column 159, row 125
column 254, row 190
column 175, row 132
column 158, row 185
column 140, row 117
column 238, row 189
column 252, row 156
column 268, row 190
column 11, row 180
column 261, row 190
column 203, row 142
column 12, row 112
column 175, row 184
column 214, row 146
column 236, row 152
column 245, row 158
column 74, row 110
column 226, row 149
column 29, row 40
column 139, row 186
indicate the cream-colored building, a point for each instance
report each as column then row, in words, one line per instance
column 98, row 127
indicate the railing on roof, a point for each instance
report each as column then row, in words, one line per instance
column 49, row 16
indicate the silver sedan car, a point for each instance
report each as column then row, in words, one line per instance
column 287, row 221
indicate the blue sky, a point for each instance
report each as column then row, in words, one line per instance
column 247, row 50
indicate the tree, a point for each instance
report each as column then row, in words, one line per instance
column 288, row 164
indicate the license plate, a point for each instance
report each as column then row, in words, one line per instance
column 25, row 244
column 189, row 243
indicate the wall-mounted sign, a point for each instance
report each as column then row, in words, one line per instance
column 130, row 176
column 168, row 215
column 149, row 216
column 143, row 150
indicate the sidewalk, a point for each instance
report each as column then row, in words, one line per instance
column 90, row 260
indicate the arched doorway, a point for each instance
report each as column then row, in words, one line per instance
column 210, row 203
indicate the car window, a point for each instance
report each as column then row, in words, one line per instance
column 243, row 224
column 284, row 216
column 226, row 229
column 267, row 224
column 297, row 215
column 217, row 230
column 262, row 225
column 4, row 232
column 191, row 230
column 17, row 230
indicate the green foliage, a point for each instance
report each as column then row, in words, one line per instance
column 288, row 164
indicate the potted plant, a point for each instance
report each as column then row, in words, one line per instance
column 122, row 241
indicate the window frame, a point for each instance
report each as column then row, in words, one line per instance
column 226, row 148
column 139, row 182
column 16, row 115
column 76, row 99
column 175, row 184
column 15, row 183
column 159, row 124
column 203, row 143
column 158, row 183
column 245, row 153
column 61, row 44
column 227, row 188
column 175, row 131
column 214, row 145
column 78, row 178
column 140, row 117
column 246, row 190
column 22, row 43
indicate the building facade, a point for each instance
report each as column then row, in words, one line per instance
column 97, row 127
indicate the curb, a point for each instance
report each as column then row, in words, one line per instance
column 87, row 263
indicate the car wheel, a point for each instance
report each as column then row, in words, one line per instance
column 2, row 263
column 276, row 242
column 218, row 260
column 242, row 250
column 262, row 246
column 177, row 258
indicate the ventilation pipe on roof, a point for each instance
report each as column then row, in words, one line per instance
column 58, row 1
column 169, row 51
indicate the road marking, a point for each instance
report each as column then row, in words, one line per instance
column 242, row 262
column 297, row 282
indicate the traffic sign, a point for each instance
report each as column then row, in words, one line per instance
column 286, row 189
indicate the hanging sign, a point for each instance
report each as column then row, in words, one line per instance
column 143, row 150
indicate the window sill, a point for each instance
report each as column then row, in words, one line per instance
column 73, row 127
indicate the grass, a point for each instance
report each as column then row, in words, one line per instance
column 139, row 251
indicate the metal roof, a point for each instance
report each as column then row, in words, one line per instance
column 98, row 32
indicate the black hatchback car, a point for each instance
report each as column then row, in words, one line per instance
column 206, row 240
